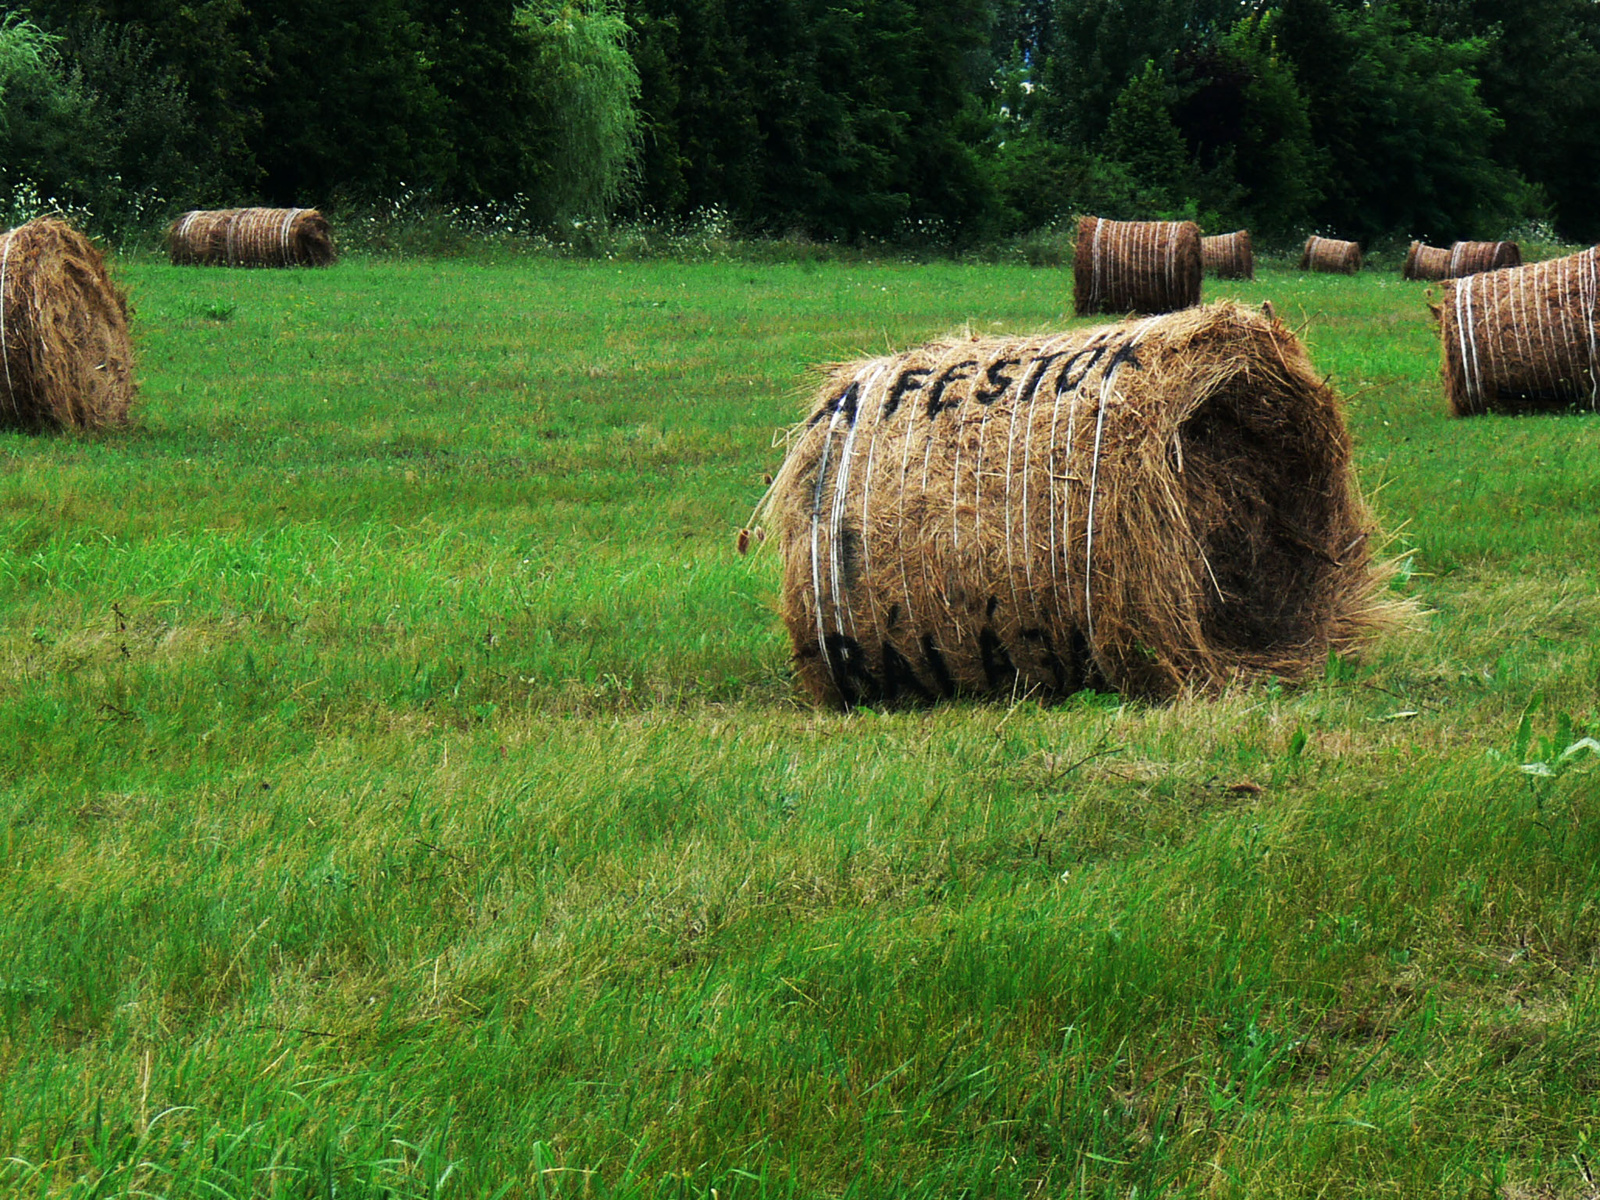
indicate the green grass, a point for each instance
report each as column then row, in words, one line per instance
column 405, row 793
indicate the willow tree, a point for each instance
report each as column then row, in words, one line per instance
column 588, row 85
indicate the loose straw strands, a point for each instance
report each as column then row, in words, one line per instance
column 67, row 356
column 1146, row 506
column 1524, row 338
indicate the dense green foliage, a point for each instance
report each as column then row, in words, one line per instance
column 404, row 793
column 947, row 122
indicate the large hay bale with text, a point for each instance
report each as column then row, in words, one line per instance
column 251, row 237
column 1149, row 506
column 1523, row 339
column 1229, row 255
column 1330, row 256
column 1425, row 262
column 67, row 357
column 1473, row 258
column 1136, row 266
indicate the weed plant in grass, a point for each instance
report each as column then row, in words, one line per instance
column 405, row 794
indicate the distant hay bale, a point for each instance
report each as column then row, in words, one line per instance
column 1229, row 255
column 1524, row 338
column 1136, row 266
column 1425, row 262
column 1146, row 506
column 67, row 357
column 1330, row 256
column 251, row 237
column 1473, row 258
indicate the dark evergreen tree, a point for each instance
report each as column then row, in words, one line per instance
column 481, row 65
column 347, row 108
column 1407, row 139
column 1540, row 73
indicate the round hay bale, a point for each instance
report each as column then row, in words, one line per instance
column 1473, row 258
column 1136, row 266
column 1425, row 262
column 1524, row 338
column 1229, row 255
column 251, row 237
column 67, row 357
column 1330, row 256
column 1146, row 506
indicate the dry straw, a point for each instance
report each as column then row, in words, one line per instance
column 68, row 360
column 1149, row 506
column 1525, row 338
column 1229, row 255
column 1473, row 258
column 1331, row 256
column 251, row 237
column 1425, row 262
column 1136, row 266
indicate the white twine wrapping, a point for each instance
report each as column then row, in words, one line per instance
column 5, row 346
column 283, row 232
column 841, row 489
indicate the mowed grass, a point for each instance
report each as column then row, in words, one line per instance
column 405, row 793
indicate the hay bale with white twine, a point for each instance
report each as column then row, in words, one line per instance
column 1136, row 266
column 1473, row 258
column 251, row 237
column 1425, row 262
column 1147, row 506
column 1523, row 339
column 67, row 357
column 1229, row 255
column 1330, row 256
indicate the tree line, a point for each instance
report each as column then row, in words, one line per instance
column 950, row 122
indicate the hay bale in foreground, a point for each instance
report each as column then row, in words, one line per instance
column 1523, row 339
column 1145, row 506
column 251, row 237
column 1425, row 262
column 1229, row 255
column 67, row 357
column 1330, row 256
column 1136, row 266
column 1473, row 258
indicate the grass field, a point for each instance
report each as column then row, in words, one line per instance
column 405, row 793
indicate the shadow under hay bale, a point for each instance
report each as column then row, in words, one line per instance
column 1330, row 256
column 251, row 237
column 67, row 356
column 1523, row 339
column 1136, row 266
column 1425, row 262
column 1229, row 255
column 1146, row 506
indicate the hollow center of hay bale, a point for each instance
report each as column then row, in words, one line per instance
column 1267, row 515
